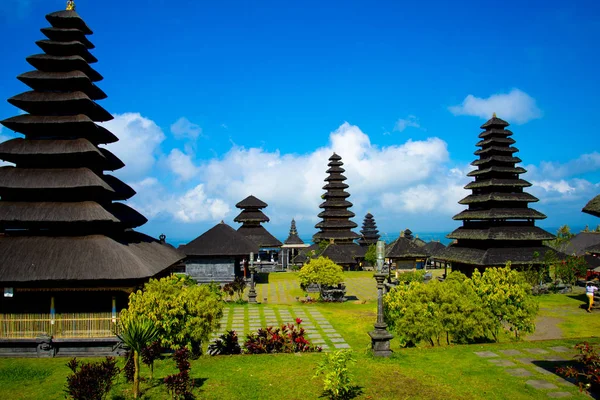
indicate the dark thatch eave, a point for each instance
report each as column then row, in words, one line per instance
column 335, row 203
column 593, row 207
column 62, row 81
column 496, row 159
column 497, row 169
column 251, row 216
column 494, row 257
column 502, row 233
column 68, row 126
column 343, row 254
column 131, row 255
column 54, row 103
column 251, row 202
column 28, row 178
column 404, row 248
column 220, row 240
column 496, row 149
column 68, row 19
column 260, row 236
column 335, row 235
column 499, row 196
column 61, row 48
column 500, row 213
column 48, row 63
column 496, row 182
column 433, row 248
column 67, row 35
column 595, row 249
column 293, row 239
column 336, row 224
column 495, row 122
column 502, row 141
column 579, row 243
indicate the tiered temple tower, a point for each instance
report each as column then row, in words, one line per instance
column 498, row 225
column 293, row 237
column 336, row 226
column 251, row 219
column 66, row 235
column 369, row 233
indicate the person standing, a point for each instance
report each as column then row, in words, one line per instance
column 589, row 291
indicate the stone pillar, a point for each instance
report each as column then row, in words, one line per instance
column 380, row 337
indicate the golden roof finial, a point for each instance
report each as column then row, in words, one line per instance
column 70, row 5
column 494, row 115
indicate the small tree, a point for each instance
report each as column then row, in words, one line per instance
column 91, row 381
column 337, row 380
column 507, row 296
column 570, row 269
column 137, row 334
column 371, row 255
column 184, row 312
column 321, row 271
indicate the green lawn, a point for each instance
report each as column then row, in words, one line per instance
column 447, row 372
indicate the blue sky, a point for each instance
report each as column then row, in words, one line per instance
column 216, row 101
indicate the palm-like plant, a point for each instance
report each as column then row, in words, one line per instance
column 136, row 334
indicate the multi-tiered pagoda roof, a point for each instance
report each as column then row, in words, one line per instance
column 251, row 219
column 369, row 233
column 293, row 237
column 60, row 213
column 336, row 226
column 498, row 225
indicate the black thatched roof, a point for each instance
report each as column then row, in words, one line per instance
column 498, row 225
column 260, row 236
column 404, row 248
column 293, row 237
column 369, row 232
column 580, row 243
column 593, row 207
column 433, row 248
column 343, row 254
column 336, row 224
column 58, row 209
column 251, row 216
column 251, row 202
column 220, row 240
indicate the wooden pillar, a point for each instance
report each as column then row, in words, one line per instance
column 114, row 309
column 52, row 315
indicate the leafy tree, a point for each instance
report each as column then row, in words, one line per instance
column 371, row 255
column 570, row 269
column 337, row 380
column 137, row 333
column 562, row 240
column 507, row 296
column 321, row 271
column 184, row 312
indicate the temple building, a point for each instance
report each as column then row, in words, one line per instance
column 593, row 208
column 369, row 233
column 292, row 246
column 335, row 229
column 251, row 219
column 218, row 255
column 69, row 256
column 498, row 225
column 403, row 253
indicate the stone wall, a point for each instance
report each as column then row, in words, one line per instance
column 205, row 270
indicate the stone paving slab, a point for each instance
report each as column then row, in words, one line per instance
column 543, row 371
column 502, row 363
column 341, row 345
column 511, row 352
column 537, row 384
column 486, row 354
column 556, row 358
column 334, row 335
column 526, row 360
column 536, row 351
column 558, row 395
column 519, row 372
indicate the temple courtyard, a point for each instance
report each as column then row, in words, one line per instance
column 506, row 370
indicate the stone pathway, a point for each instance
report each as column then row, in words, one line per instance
column 519, row 363
column 248, row 319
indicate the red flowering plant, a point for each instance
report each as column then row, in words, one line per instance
column 587, row 372
column 288, row 338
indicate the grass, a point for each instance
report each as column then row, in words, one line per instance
column 447, row 372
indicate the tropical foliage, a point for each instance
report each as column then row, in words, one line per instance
column 184, row 312
column 337, row 380
column 321, row 271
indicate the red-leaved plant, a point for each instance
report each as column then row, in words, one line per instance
column 587, row 373
column 180, row 385
column 287, row 339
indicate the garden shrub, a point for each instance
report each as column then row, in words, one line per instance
column 337, row 380
column 184, row 312
column 226, row 344
column 91, row 381
column 287, row 339
column 323, row 272
column 236, row 287
column 587, row 373
column 150, row 354
column 412, row 276
column 180, row 385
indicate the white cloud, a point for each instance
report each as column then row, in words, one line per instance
column 515, row 107
column 184, row 128
column 410, row 122
column 138, row 145
column 589, row 162
column 181, row 164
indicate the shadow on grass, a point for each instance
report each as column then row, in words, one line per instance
column 262, row 277
column 581, row 297
column 351, row 298
column 354, row 392
column 550, row 366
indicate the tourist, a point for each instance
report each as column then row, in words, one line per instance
column 589, row 291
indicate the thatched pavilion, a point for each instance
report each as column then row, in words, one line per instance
column 593, row 208
column 69, row 256
column 403, row 253
column 498, row 225
column 336, row 227
column 218, row 255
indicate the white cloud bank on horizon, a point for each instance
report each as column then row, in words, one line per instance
column 411, row 181
column 515, row 107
